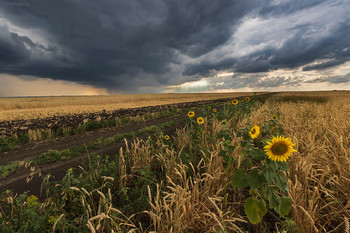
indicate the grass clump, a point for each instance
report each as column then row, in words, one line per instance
column 11, row 143
column 8, row 169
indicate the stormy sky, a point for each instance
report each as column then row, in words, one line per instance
column 147, row 46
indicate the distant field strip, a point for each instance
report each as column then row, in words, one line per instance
column 40, row 107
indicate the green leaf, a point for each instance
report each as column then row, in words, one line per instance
column 273, row 165
column 248, row 162
column 257, row 154
column 255, row 179
column 281, row 181
column 282, row 166
column 268, row 173
column 239, row 179
column 244, row 143
column 284, row 206
column 222, row 153
column 255, row 209
column 230, row 148
column 272, row 197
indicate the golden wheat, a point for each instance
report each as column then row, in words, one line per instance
column 40, row 107
column 320, row 172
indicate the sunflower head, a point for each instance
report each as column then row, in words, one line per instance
column 166, row 137
column 200, row 120
column 214, row 109
column 209, row 107
column 190, row 114
column 247, row 98
column 279, row 148
column 274, row 117
column 254, row 132
column 234, row 102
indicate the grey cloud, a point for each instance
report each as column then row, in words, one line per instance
column 324, row 65
column 261, row 81
column 284, row 7
column 12, row 50
column 278, row 81
column 331, row 79
column 128, row 45
column 299, row 49
column 112, row 43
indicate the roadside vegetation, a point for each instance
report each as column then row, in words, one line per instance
column 255, row 165
column 15, row 141
column 52, row 156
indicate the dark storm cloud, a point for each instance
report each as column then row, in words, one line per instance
column 332, row 79
column 130, row 44
column 294, row 53
column 288, row 7
column 12, row 49
column 304, row 42
column 109, row 43
column 324, row 65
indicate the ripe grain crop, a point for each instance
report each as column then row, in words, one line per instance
column 40, row 107
column 319, row 173
column 214, row 177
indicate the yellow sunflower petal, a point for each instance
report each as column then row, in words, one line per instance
column 279, row 149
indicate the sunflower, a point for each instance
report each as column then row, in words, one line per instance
column 279, row 148
column 200, row 120
column 247, row 98
column 209, row 107
column 166, row 137
column 214, row 109
column 190, row 114
column 234, row 102
column 254, row 132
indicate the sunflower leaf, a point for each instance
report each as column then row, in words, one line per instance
column 239, row 179
column 227, row 158
column 268, row 173
column 282, row 166
column 255, row 179
column 272, row 197
column 281, row 181
column 257, row 154
column 274, row 165
column 284, row 206
column 255, row 209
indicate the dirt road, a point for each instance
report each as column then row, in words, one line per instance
column 30, row 178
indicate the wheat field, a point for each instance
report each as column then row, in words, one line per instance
column 195, row 193
column 40, row 107
column 319, row 176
